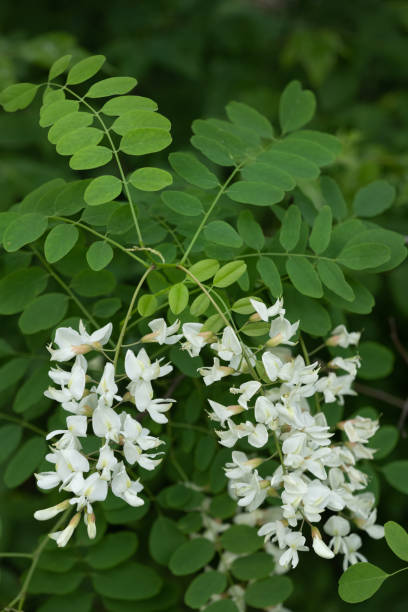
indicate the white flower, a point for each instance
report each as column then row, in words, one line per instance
column 48, row 513
column 163, row 333
column 338, row 527
column 296, row 372
column 106, row 461
column 229, row 348
column 333, row 387
column 230, row 436
column 221, row 413
column 251, row 490
column 341, row 337
column 88, row 490
column 374, row 531
column 265, row 313
column 360, row 429
column 140, row 368
column 240, row 466
column 71, row 343
column 266, row 413
column 72, row 383
column 351, row 544
column 281, row 331
column 295, row 542
column 272, row 365
column 106, row 423
column 246, row 391
column 319, row 546
column 136, row 439
column 107, row 388
column 349, row 364
column 196, row 339
column 315, row 500
column 125, row 488
column 215, row 372
column 275, row 531
column 257, row 434
column 62, row 537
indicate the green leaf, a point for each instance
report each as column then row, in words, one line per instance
column 192, row 170
column 129, row 582
column 270, row 275
column 103, row 189
column 55, row 583
column 124, row 104
column 260, row 172
column 150, row 179
column 249, row 118
column 147, row 305
column 145, row 140
column 106, row 308
column 373, row 199
column 24, row 462
column 32, row 390
column 321, row 231
column 296, row 107
column 10, row 436
column 69, row 123
column 99, row 255
column 76, row 140
column 191, row 556
column 221, row 232
column 222, row 506
column 140, row 119
column 397, row 539
column 18, row 96
column 12, row 371
column 164, row 538
column 257, row 193
column 51, row 113
column 112, row 550
column 71, row 199
column 384, row 441
column 85, row 69
column 204, row 452
column 203, row 587
column 224, row 605
column 89, row 283
column 80, row 602
column 268, row 591
column 312, row 316
column 294, row 165
column 396, row 475
column 90, row 157
column 334, row 198
column 377, row 361
column 250, row 230
column 27, row 228
column 43, row 312
column 392, row 240
column 290, row 229
column 178, row 298
column 113, row 86
column 364, row 255
column 214, row 150
column 20, row 287
column 61, row 239
column 362, row 304
column 182, row 203
column 332, row 276
column 200, row 305
column 59, row 66
column 241, row 539
column 257, row 565
column 204, row 269
column 229, row 273
column 360, row 581
column 304, row 277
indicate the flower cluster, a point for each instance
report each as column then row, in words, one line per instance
column 278, row 407
column 93, row 406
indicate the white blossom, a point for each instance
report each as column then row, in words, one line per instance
column 341, row 337
column 71, row 343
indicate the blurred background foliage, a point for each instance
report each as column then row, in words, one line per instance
column 193, row 57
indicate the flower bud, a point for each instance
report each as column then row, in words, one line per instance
column 319, row 546
column 275, row 340
column 63, row 537
column 48, row 513
column 89, row 518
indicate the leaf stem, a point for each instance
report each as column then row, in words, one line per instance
column 13, row 419
column 209, row 211
column 128, row 315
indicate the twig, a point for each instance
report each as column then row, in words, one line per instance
column 396, row 340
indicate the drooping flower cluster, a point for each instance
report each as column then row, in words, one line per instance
column 94, row 409
column 279, row 403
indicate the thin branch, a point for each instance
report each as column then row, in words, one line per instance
column 396, row 340
column 380, row 395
